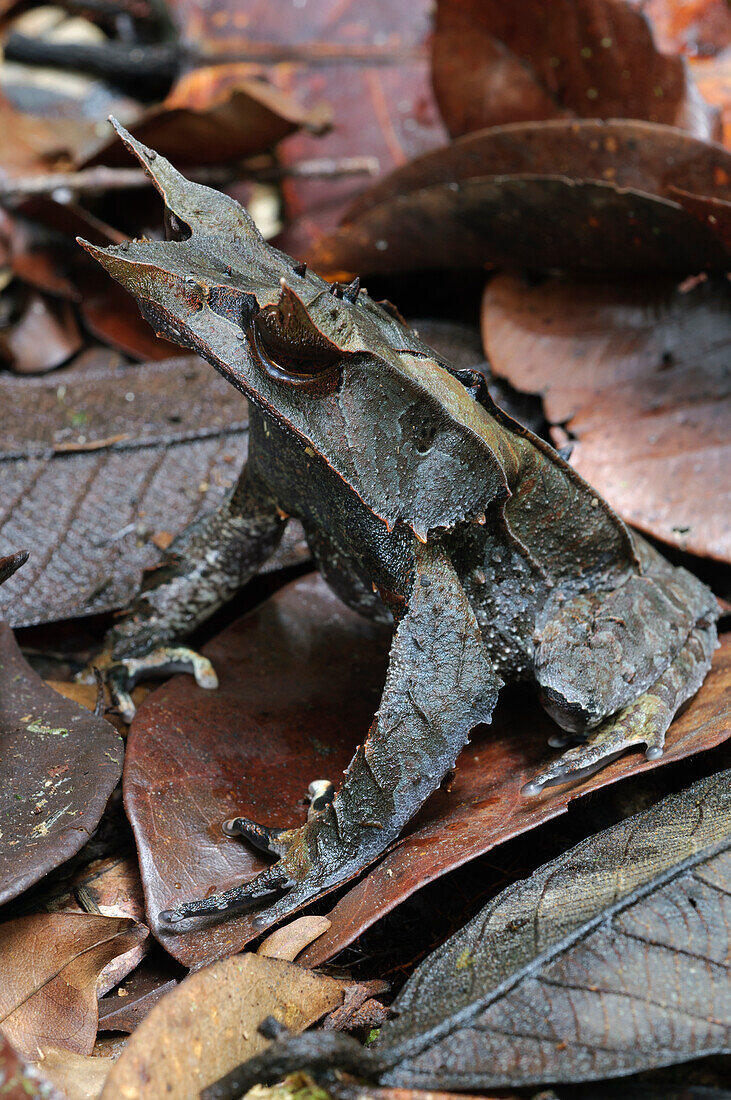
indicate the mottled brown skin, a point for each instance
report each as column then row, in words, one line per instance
column 421, row 499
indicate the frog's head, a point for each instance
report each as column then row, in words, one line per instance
column 330, row 365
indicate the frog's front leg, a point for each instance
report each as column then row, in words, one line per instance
column 644, row 722
column 440, row 684
column 203, row 568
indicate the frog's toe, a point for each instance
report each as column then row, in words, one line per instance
column 259, row 836
column 272, row 881
column 122, row 673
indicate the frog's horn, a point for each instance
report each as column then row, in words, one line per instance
column 290, row 339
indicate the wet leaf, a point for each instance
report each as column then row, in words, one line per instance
column 609, row 960
column 554, row 194
column 195, row 760
column 50, row 965
column 95, row 462
column 209, row 1023
column 216, row 114
column 282, row 677
column 494, row 64
column 637, row 373
column 21, row 1081
column 58, row 766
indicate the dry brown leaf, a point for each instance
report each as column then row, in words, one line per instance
column 50, row 963
column 45, row 336
column 287, row 942
column 78, row 1076
column 208, row 1024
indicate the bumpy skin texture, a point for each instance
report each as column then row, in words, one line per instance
column 497, row 562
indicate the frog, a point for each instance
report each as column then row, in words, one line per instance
column 425, row 506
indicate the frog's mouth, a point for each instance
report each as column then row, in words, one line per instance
column 569, row 715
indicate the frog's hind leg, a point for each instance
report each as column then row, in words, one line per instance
column 644, row 722
column 440, row 684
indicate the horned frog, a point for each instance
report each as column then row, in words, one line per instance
column 421, row 501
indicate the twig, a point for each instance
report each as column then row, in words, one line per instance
column 97, row 180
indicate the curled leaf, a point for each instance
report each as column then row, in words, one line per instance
column 586, row 194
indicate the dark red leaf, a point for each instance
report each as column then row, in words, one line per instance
column 299, row 682
column 637, row 373
column 553, row 194
column 496, row 63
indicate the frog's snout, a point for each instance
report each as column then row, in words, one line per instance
column 570, row 715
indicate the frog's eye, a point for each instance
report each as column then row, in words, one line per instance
column 289, row 344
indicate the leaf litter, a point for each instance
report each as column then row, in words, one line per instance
column 580, row 166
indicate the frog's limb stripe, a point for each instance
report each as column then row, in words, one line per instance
column 203, row 568
column 439, row 685
column 643, row 722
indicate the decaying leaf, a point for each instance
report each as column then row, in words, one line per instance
column 58, row 766
column 636, row 372
column 20, row 1080
column 78, row 1076
column 209, row 1023
column 611, row 959
column 496, row 62
column 483, row 806
column 190, row 767
column 95, row 462
column 50, row 965
column 556, row 194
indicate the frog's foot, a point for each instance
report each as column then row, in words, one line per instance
column 290, row 871
column 122, row 673
column 643, row 722
column 290, row 845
